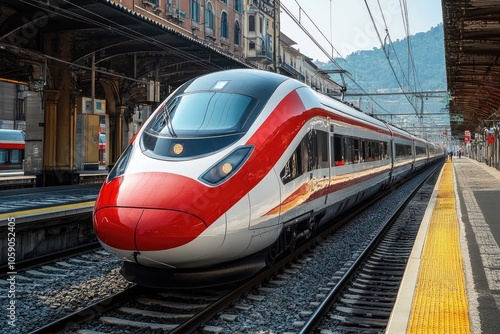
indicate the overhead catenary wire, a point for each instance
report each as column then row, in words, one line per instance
column 330, row 57
column 411, row 69
column 391, row 45
column 387, row 56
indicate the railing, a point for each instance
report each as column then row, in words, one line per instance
column 290, row 69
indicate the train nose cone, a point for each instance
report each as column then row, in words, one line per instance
column 115, row 226
column 166, row 229
column 137, row 229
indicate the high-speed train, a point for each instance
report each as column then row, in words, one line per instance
column 234, row 168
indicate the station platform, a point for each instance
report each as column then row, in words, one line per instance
column 20, row 197
column 31, row 204
column 15, row 179
column 452, row 279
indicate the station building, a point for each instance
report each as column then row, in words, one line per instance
column 76, row 72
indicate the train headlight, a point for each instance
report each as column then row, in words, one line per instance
column 227, row 166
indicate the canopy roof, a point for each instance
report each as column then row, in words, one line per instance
column 472, row 46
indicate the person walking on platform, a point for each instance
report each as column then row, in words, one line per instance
column 451, row 154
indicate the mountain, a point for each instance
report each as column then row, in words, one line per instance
column 371, row 68
column 423, row 114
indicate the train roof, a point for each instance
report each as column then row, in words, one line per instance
column 11, row 135
column 354, row 112
column 256, row 83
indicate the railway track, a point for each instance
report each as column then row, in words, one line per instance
column 57, row 286
column 49, row 258
column 362, row 299
column 176, row 311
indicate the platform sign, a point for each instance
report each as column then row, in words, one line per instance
column 467, row 136
column 491, row 138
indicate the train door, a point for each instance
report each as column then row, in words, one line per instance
column 331, row 155
column 392, row 156
column 322, row 171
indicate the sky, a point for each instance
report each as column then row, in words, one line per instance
column 346, row 24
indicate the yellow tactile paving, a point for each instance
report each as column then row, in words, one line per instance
column 440, row 300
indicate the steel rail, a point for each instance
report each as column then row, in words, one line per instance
column 314, row 320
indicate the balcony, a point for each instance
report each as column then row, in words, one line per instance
column 153, row 4
column 174, row 13
column 263, row 56
column 291, row 71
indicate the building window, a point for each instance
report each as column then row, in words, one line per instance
column 225, row 2
column 224, row 27
column 237, row 32
column 237, row 6
column 195, row 11
column 209, row 16
column 20, row 114
column 251, row 23
column 251, row 46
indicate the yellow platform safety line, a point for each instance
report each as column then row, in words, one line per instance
column 440, row 300
column 46, row 210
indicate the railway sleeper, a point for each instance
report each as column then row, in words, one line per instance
column 368, row 312
column 386, row 293
column 358, row 322
column 382, row 299
column 388, row 305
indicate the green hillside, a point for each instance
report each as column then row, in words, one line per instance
column 372, row 71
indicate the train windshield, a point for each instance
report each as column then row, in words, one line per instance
column 202, row 114
column 200, row 122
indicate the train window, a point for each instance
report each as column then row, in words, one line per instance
column 322, row 140
column 310, row 154
column 421, row 150
column 3, row 156
column 338, row 151
column 363, row 151
column 385, row 151
column 403, row 150
column 376, row 151
column 202, row 122
column 15, row 156
column 306, row 152
column 301, row 160
column 203, row 113
column 348, row 150
column 356, row 153
column 291, row 169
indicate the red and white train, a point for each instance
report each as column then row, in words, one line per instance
column 237, row 166
column 12, row 147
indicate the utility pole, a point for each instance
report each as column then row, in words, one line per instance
column 276, row 26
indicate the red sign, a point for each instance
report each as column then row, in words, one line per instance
column 491, row 138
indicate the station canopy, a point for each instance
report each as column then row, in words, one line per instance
column 472, row 46
column 125, row 43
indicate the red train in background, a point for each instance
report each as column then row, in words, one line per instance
column 12, row 146
column 237, row 167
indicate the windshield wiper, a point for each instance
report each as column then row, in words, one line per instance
column 168, row 120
